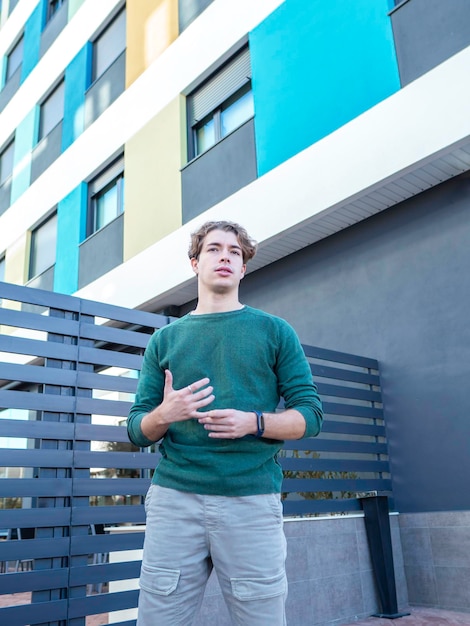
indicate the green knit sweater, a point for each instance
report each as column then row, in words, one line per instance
column 252, row 359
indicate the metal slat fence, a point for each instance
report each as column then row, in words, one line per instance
column 72, row 486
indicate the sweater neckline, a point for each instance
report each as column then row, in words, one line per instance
column 221, row 314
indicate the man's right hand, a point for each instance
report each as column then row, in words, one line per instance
column 177, row 405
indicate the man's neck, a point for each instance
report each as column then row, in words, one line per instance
column 217, row 303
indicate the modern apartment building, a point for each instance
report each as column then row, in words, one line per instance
column 336, row 132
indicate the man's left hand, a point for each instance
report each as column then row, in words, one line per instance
column 229, row 423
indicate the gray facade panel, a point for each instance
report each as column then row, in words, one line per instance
column 188, row 10
column 53, row 28
column 101, row 252
column 10, row 88
column 396, row 287
column 5, row 196
column 427, row 32
column 219, row 172
column 46, row 152
column 105, row 90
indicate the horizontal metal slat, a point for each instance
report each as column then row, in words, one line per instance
column 36, row 518
column 37, row 458
column 37, row 613
column 40, row 487
column 89, row 380
column 37, row 401
column 36, row 429
column 333, row 445
column 87, row 574
column 35, row 580
column 109, row 486
column 317, row 506
column 336, row 373
column 35, row 321
column 118, row 336
column 108, row 515
column 41, row 297
column 121, row 314
column 34, row 548
column 115, row 542
column 97, row 356
column 350, row 428
column 358, row 485
column 36, row 347
column 100, row 432
column 340, row 357
column 353, row 410
column 355, row 393
column 102, row 603
column 37, row 374
column 128, row 460
column 332, row 465
column 103, row 407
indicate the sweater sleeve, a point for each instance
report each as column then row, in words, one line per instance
column 149, row 393
column 296, row 384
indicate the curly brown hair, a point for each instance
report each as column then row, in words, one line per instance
column 248, row 245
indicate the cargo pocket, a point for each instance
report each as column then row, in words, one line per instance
column 159, row 580
column 246, row 589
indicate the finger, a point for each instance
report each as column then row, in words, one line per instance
column 168, row 382
column 198, row 384
column 200, row 395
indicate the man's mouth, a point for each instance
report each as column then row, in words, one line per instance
column 225, row 271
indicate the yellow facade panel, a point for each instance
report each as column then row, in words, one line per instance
column 152, row 197
column 152, row 25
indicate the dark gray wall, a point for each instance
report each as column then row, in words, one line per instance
column 10, row 88
column 396, row 287
column 46, row 152
column 188, row 10
column 427, row 32
column 218, row 173
column 105, row 90
column 101, row 252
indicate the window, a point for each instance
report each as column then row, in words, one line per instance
column 43, row 246
column 14, row 59
column 2, row 268
column 221, row 104
column 52, row 7
column 109, row 45
column 106, row 197
column 52, row 111
column 6, row 162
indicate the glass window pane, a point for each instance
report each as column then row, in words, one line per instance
column 2, row 269
column 6, row 163
column 52, row 111
column 108, row 203
column 205, row 136
column 236, row 113
column 43, row 247
column 14, row 59
column 109, row 45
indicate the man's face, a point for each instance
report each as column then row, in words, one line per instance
column 220, row 265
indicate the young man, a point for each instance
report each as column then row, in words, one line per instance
column 209, row 387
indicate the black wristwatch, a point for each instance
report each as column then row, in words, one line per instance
column 259, row 423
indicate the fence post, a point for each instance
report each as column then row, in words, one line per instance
column 379, row 538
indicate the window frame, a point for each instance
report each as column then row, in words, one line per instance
column 216, row 115
column 19, row 43
column 100, row 37
column 33, row 250
column 109, row 177
column 47, row 100
column 208, row 98
column 8, row 145
column 53, row 6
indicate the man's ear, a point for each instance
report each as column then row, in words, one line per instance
column 243, row 271
column 194, row 265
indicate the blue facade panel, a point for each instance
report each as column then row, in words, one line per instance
column 77, row 79
column 32, row 40
column 317, row 65
column 71, row 228
column 25, row 138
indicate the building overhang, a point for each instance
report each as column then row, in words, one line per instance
column 408, row 143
